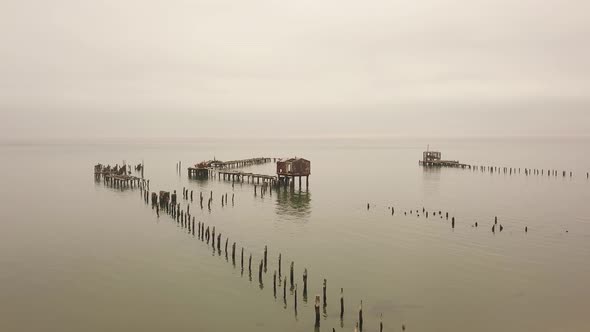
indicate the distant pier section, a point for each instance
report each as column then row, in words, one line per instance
column 206, row 168
column 434, row 159
column 288, row 170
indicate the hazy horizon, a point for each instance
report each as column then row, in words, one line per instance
column 129, row 69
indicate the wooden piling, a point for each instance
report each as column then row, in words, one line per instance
column 285, row 290
column 291, row 274
column 317, row 311
column 265, row 254
column 274, row 284
column 341, row 303
column 324, row 292
column 295, row 298
column 361, row 316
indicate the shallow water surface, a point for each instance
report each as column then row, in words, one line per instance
column 77, row 255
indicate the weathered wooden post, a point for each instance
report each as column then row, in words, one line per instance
column 453, row 222
column 274, row 284
column 324, row 293
column 233, row 253
column 285, row 290
column 381, row 323
column 265, row 254
column 295, row 297
column 242, row 259
column 291, row 274
column 361, row 316
column 317, row 311
column 250, row 265
column 213, row 238
column 260, row 271
column 341, row 303
column 280, row 266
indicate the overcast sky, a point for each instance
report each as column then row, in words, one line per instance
column 63, row 61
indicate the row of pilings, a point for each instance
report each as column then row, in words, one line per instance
column 524, row 171
column 445, row 216
column 213, row 237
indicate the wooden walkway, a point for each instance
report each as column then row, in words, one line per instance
column 213, row 167
column 246, row 162
column 239, row 176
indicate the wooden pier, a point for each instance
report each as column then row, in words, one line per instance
column 433, row 159
column 443, row 163
column 238, row 176
column 116, row 176
column 246, row 162
column 206, row 169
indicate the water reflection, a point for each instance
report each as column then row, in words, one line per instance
column 431, row 181
column 293, row 203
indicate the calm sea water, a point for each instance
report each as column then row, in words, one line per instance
column 78, row 256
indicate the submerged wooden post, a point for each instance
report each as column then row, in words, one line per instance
column 453, row 222
column 274, row 284
column 260, row 271
column 250, row 265
column 233, row 253
column 242, row 259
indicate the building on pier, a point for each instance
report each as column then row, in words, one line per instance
column 289, row 169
